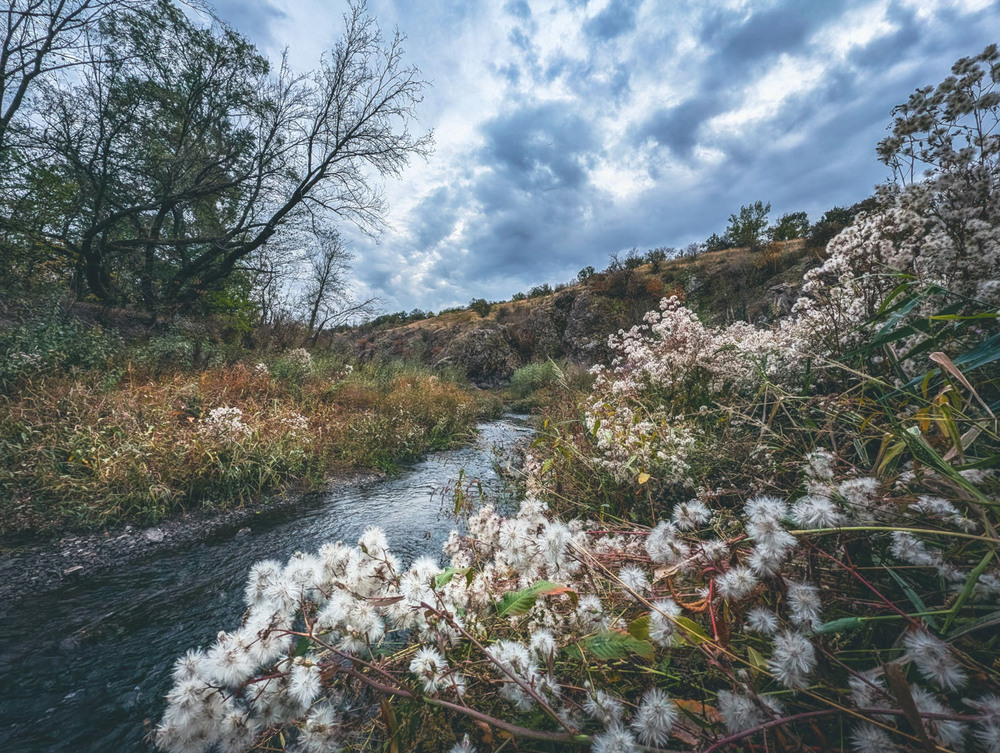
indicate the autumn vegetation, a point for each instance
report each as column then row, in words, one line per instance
column 744, row 536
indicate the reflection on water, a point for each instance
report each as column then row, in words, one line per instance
column 82, row 667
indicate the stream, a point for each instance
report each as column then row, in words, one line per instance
column 84, row 667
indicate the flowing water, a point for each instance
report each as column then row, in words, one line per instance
column 82, row 667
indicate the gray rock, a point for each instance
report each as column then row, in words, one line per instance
column 153, row 534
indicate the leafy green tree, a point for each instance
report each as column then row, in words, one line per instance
column 716, row 242
column 747, row 227
column 834, row 220
column 791, row 226
column 586, row 273
column 187, row 153
column 481, row 306
column 657, row 256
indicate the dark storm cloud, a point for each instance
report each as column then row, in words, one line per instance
column 617, row 18
column 521, row 203
column 435, row 217
column 736, row 43
column 540, row 147
column 770, row 32
column 677, row 127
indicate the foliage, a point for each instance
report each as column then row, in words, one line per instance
column 176, row 152
column 747, row 227
column 49, row 342
column 778, row 537
column 656, row 257
column 481, row 306
column 791, row 226
column 77, row 450
column 533, row 377
column 715, row 242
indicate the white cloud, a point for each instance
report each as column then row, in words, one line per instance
column 768, row 118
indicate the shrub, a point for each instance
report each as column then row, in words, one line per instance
column 51, row 343
column 533, row 377
column 481, row 306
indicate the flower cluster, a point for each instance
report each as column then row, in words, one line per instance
column 225, row 424
column 531, row 595
column 299, row 357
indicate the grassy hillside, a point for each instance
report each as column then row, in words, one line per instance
column 572, row 321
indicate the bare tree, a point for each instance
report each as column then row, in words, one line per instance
column 181, row 154
column 41, row 37
column 326, row 297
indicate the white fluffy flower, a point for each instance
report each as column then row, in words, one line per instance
column 634, row 581
column 603, row 707
column 429, row 666
column 304, row 683
column 867, row 738
column 738, row 712
column 804, row 603
column 793, row 659
column 663, row 621
column 691, row 515
column 463, row 746
column 763, row 621
column 615, row 739
column 655, row 717
column 934, row 660
column 814, row 511
column 736, row 583
column 664, row 545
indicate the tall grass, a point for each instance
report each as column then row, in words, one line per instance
column 79, row 450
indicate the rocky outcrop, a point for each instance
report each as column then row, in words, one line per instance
column 485, row 354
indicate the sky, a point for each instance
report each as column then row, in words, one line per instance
column 567, row 130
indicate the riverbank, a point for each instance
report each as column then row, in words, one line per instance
column 88, row 660
column 29, row 565
column 134, row 441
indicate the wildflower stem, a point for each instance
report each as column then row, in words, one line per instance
column 521, row 683
column 720, row 744
column 531, row 734
column 853, row 571
column 894, row 529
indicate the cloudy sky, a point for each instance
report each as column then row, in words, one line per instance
column 569, row 129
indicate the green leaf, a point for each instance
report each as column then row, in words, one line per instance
column 519, row 602
column 443, row 579
column 757, row 659
column 966, row 592
column 986, row 352
column 302, row 646
column 912, row 595
column 611, row 644
column 695, row 634
column 988, row 620
column 840, row 626
column 639, row 628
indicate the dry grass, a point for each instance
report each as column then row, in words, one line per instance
column 74, row 454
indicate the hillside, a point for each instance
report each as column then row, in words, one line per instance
column 573, row 321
